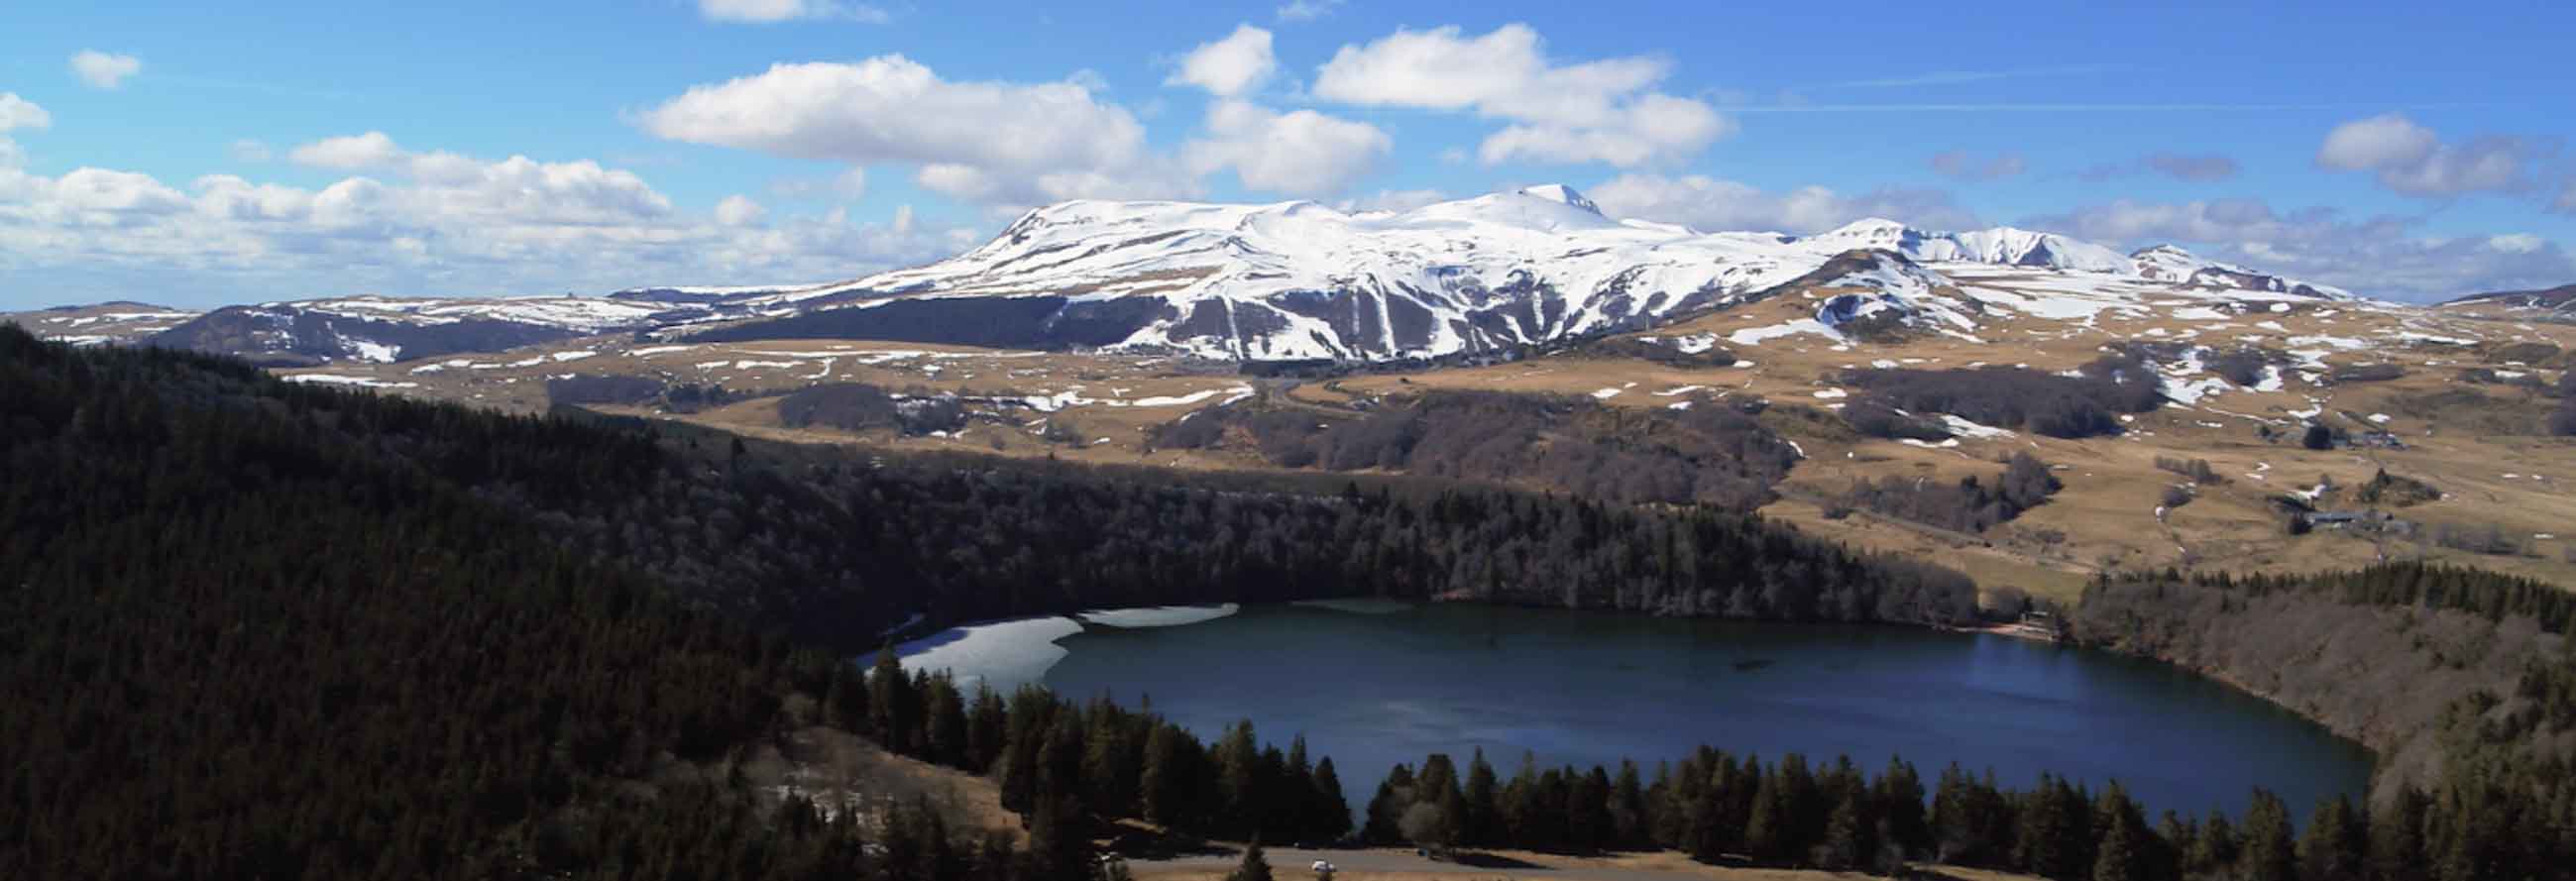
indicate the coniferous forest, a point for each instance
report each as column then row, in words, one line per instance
column 260, row 630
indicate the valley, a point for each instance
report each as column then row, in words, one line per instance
column 2458, row 397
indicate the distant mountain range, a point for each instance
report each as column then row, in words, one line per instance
column 1291, row 280
column 2560, row 299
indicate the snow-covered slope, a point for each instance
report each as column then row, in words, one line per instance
column 112, row 323
column 385, row 329
column 2168, row 263
column 1302, row 280
column 1288, row 280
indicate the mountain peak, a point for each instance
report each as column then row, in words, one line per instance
column 1877, row 229
column 1562, row 194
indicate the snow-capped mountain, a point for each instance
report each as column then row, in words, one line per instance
column 2168, row 263
column 1289, row 280
column 386, row 329
column 1302, row 280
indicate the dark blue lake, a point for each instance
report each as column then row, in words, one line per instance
column 1375, row 685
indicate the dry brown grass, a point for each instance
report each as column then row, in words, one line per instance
column 2104, row 518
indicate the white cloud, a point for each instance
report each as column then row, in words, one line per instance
column 2412, row 160
column 1298, row 153
column 435, row 223
column 1964, row 165
column 250, row 150
column 1307, row 10
column 2381, row 256
column 1712, row 204
column 18, row 113
column 2518, row 242
column 348, row 152
column 1595, row 111
column 740, row 210
column 105, row 70
column 983, row 141
column 1393, row 200
column 772, row 11
column 1231, row 67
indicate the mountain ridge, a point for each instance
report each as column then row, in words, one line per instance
column 1290, row 280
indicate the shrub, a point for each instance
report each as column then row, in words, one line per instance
column 1873, row 417
column 2176, row 496
column 2318, row 437
column 2196, row 469
column 2368, row 373
column 2243, row 365
column 852, row 406
column 2394, row 491
column 1969, row 505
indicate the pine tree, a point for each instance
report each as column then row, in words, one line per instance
column 1847, row 842
column 1478, row 826
column 1333, row 812
column 2335, row 845
column 2397, row 837
column 1897, row 799
column 1168, row 779
column 1765, row 832
column 2268, row 852
column 890, row 704
column 1254, row 867
column 1629, row 820
column 2118, row 857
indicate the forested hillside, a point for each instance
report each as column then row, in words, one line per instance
column 257, row 629
column 2463, row 681
column 242, row 638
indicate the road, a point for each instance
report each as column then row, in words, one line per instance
column 1292, row 863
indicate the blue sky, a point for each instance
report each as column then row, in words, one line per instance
column 193, row 156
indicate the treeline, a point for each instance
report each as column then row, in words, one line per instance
column 1711, row 454
column 1073, row 763
column 1719, row 807
column 851, row 406
column 1967, row 505
column 2084, row 405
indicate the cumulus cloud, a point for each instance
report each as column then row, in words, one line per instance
column 740, row 210
column 2379, row 256
column 348, row 152
column 105, row 70
column 1297, row 153
column 982, row 141
column 2412, row 160
column 1964, row 165
column 424, row 223
column 773, row 11
column 1713, row 204
column 1596, row 111
column 17, row 113
column 1307, row 10
column 1231, row 67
